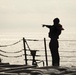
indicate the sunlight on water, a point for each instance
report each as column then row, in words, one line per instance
column 67, row 46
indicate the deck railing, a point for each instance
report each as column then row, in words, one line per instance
column 67, row 51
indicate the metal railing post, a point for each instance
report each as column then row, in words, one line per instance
column 25, row 51
column 45, row 52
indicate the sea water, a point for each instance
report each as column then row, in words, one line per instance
column 35, row 41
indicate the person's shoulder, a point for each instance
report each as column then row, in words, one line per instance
column 52, row 26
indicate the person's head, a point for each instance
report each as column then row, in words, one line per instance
column 56, row 21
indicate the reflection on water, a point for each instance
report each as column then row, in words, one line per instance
column 66, row 50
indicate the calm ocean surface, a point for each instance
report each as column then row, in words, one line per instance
column 12, row 50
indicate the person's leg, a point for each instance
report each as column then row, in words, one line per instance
column 56, row 58
column 54, row 53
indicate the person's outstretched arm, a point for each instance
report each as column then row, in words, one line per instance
column 48, row 26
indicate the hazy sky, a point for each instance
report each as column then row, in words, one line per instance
column 29, row 15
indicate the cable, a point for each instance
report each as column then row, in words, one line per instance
column 11, row 56
column 11, row 52
column 11, row 44
column 31, row 40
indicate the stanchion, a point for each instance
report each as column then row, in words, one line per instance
column 25, row 51
column 45, row 52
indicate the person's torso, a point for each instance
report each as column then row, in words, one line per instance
column 54, row 32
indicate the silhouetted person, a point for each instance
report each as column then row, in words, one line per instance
column 55, row 31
